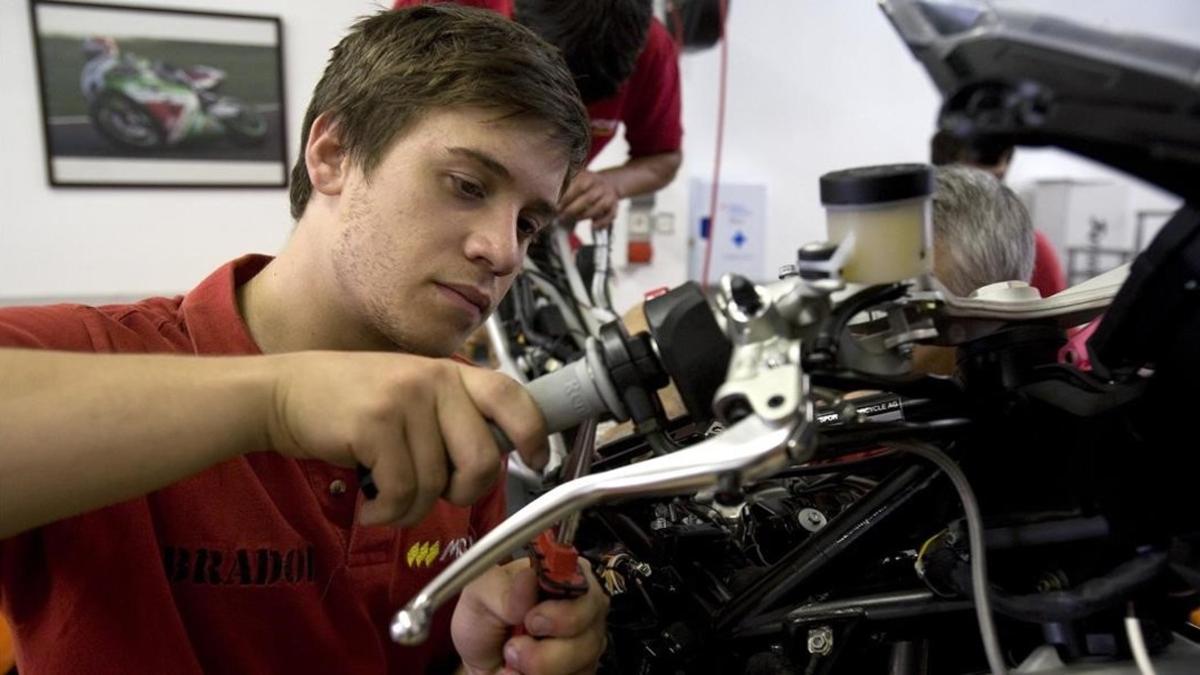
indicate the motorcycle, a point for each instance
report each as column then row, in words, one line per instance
column 560, row 299
column 146, row 105
column 784, row 525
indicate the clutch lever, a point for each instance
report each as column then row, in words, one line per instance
column 746, row 451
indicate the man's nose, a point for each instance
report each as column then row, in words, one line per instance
column 496, row 242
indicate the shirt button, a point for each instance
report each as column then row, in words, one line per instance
column 337, row 487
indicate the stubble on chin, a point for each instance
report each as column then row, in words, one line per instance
column 407, row 338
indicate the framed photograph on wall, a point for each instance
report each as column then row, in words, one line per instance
column 138, row 96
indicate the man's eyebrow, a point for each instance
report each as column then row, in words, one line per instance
column 540, row 207
column 490, row 163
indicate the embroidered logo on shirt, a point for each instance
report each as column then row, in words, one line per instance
column 423, row 553
column 456, row 547
column 239, row 567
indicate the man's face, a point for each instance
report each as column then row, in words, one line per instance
column 431, row 241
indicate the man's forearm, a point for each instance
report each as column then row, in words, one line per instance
column 82, row 431
column 643, row 175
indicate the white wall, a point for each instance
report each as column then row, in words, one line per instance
column 1034, row 164
column 813, row 86
column 107, row 243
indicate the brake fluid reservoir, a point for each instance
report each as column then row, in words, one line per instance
column 887, row 210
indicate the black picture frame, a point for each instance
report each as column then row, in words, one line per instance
column 153, row 97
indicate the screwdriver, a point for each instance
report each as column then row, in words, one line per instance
column 553, row 554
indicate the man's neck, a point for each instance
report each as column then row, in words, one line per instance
column 291, row 305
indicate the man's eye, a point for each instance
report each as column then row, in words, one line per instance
column 528, row 227
column 469, row 188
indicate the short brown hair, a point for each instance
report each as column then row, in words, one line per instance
column 395, row 66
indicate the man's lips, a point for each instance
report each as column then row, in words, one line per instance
column 472, row 295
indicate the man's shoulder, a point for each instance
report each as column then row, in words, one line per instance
column 60, row 326
column 77, row 327
column 154, row 309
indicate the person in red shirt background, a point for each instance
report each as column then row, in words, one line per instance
column 177, row 491
column 627, row 68
column 995, row 157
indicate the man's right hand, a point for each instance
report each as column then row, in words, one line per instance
column 419, row 425
column 83, row 431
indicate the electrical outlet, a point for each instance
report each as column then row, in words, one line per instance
column 639, row 225
column 664, row 223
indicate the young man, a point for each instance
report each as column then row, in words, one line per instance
column 627, row 69
column 190, row 506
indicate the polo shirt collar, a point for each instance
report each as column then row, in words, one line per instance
column 210, row 310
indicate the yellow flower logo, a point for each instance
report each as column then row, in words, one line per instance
column 423, row 553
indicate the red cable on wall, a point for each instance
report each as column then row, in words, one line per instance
column 712, row 208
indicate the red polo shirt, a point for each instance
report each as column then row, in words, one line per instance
column 1048, row 275
column 255, row 565
column 648, row 103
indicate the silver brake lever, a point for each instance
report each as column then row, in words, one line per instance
column 748, row 450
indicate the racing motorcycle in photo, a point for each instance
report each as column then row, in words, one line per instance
column 141, row 104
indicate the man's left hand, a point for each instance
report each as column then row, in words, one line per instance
column 590, row 196
column 563, row 636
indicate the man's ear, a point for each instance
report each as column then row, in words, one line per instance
column 325, row 157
